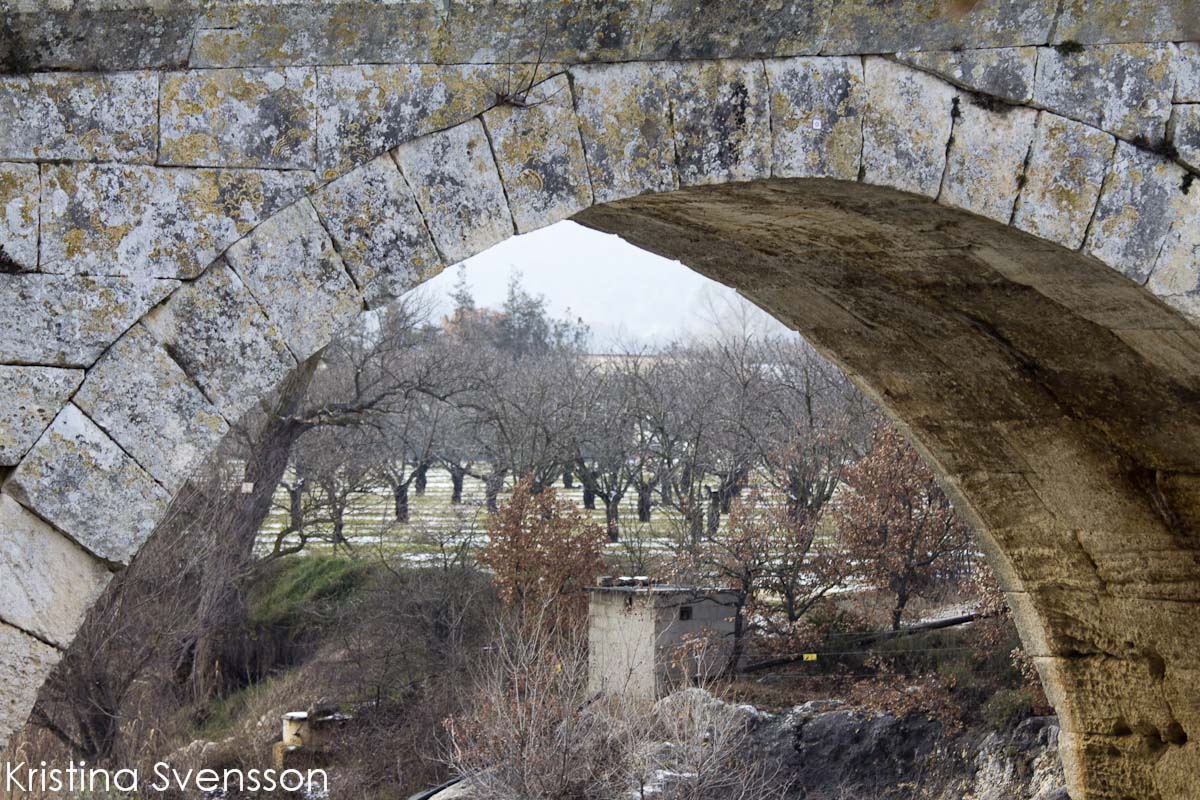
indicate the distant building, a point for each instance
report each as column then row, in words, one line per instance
column 638, row 632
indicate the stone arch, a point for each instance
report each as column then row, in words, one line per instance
column 1011, row 273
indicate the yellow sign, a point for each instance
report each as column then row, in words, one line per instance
column 810, row 656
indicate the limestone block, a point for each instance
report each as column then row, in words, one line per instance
column 239, row 118
column 458, row 189
column 25, row 663
column 29, row 399
column 1124, row 89
column 247, row 35
column 677, row 29
column 65, row 36
column 148, row 221
column 67, row 321
column 47, row 582
column 1184, row 133
column 516, row 31
column 217, row 332
column 375, row 223
column 1110, row 696
column 1176, row 274
column 1005, row 72
column 540, row 156
column 80, row 481
column 908, row 122
column 721, row 117
column 1063, row 179
column 146, row 402
column 866, row 26
column 1122, row 21
column 367, row 109
column 19, row 187
column 1136, row 209
column 290, row 266
column 1187, row 72
column 79, row 117
column 987, row 158
column 624, row 118
column 816, row 117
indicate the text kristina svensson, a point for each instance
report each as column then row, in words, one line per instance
column 79, row 777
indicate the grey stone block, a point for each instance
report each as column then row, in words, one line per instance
column 30, row 397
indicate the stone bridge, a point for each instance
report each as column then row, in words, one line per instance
column 984, row 211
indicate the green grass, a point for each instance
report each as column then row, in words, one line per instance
column 304, row 583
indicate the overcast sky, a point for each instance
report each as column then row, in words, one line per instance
column 620, row 291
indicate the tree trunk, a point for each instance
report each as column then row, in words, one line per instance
column 612, row 509
column 400, row 494
column 714, row 512
column 568, row 479
column 589, row 499
column 457, row 474
column 492, row 487
column 643, row 505
column 422, row 479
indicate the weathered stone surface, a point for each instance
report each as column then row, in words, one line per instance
column 1063, row 179
column 1136, row 209
column 239, row 118
column 1121, row 21
column 365, row 110
column 87, row 117
column 151, row 408
column 987, row 158
column 47, row 582
column 290, row 266
column 217, row 332
column 490, row 32
column 865, row 26
column 816, row 117
column 29, row 399
column 454, row 177
column 624, row 118
column 1005, row 72
column 676, row 29
column 375, row 223
column 1124, row 88
column 80, row 481
column 19, row 188
column 540, row 156
column 720, row 112
column 1185, row 134
column 71, row 37
column 908, row 121
column 154, row 222
column 247, row 35
column 64, row 320
column 1187, row 72
column 1176, row 275
column 25, row 663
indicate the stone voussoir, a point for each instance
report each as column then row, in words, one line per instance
column 153, row 221
column 1067, row 164
column 25, row 663
column 1184, row 134
column 625, row 123
column 540, row 156
column 20, row 187
column 986, row 161
column 458, row 189
column 817, row 106
column 290, row 266
column 68, row 320
column 721, row 116
column 252, row 118
column 30, row 397
column 150, row 407
column 47, row 582
column 1006, row 73
column 909, row 120
column 84, row 484
column 378, row 230
column 1137, row 207
column 79, row 117
column 215, row 329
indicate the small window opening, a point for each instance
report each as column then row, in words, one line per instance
column 685, row 613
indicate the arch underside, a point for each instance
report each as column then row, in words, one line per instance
column 1023, row 298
